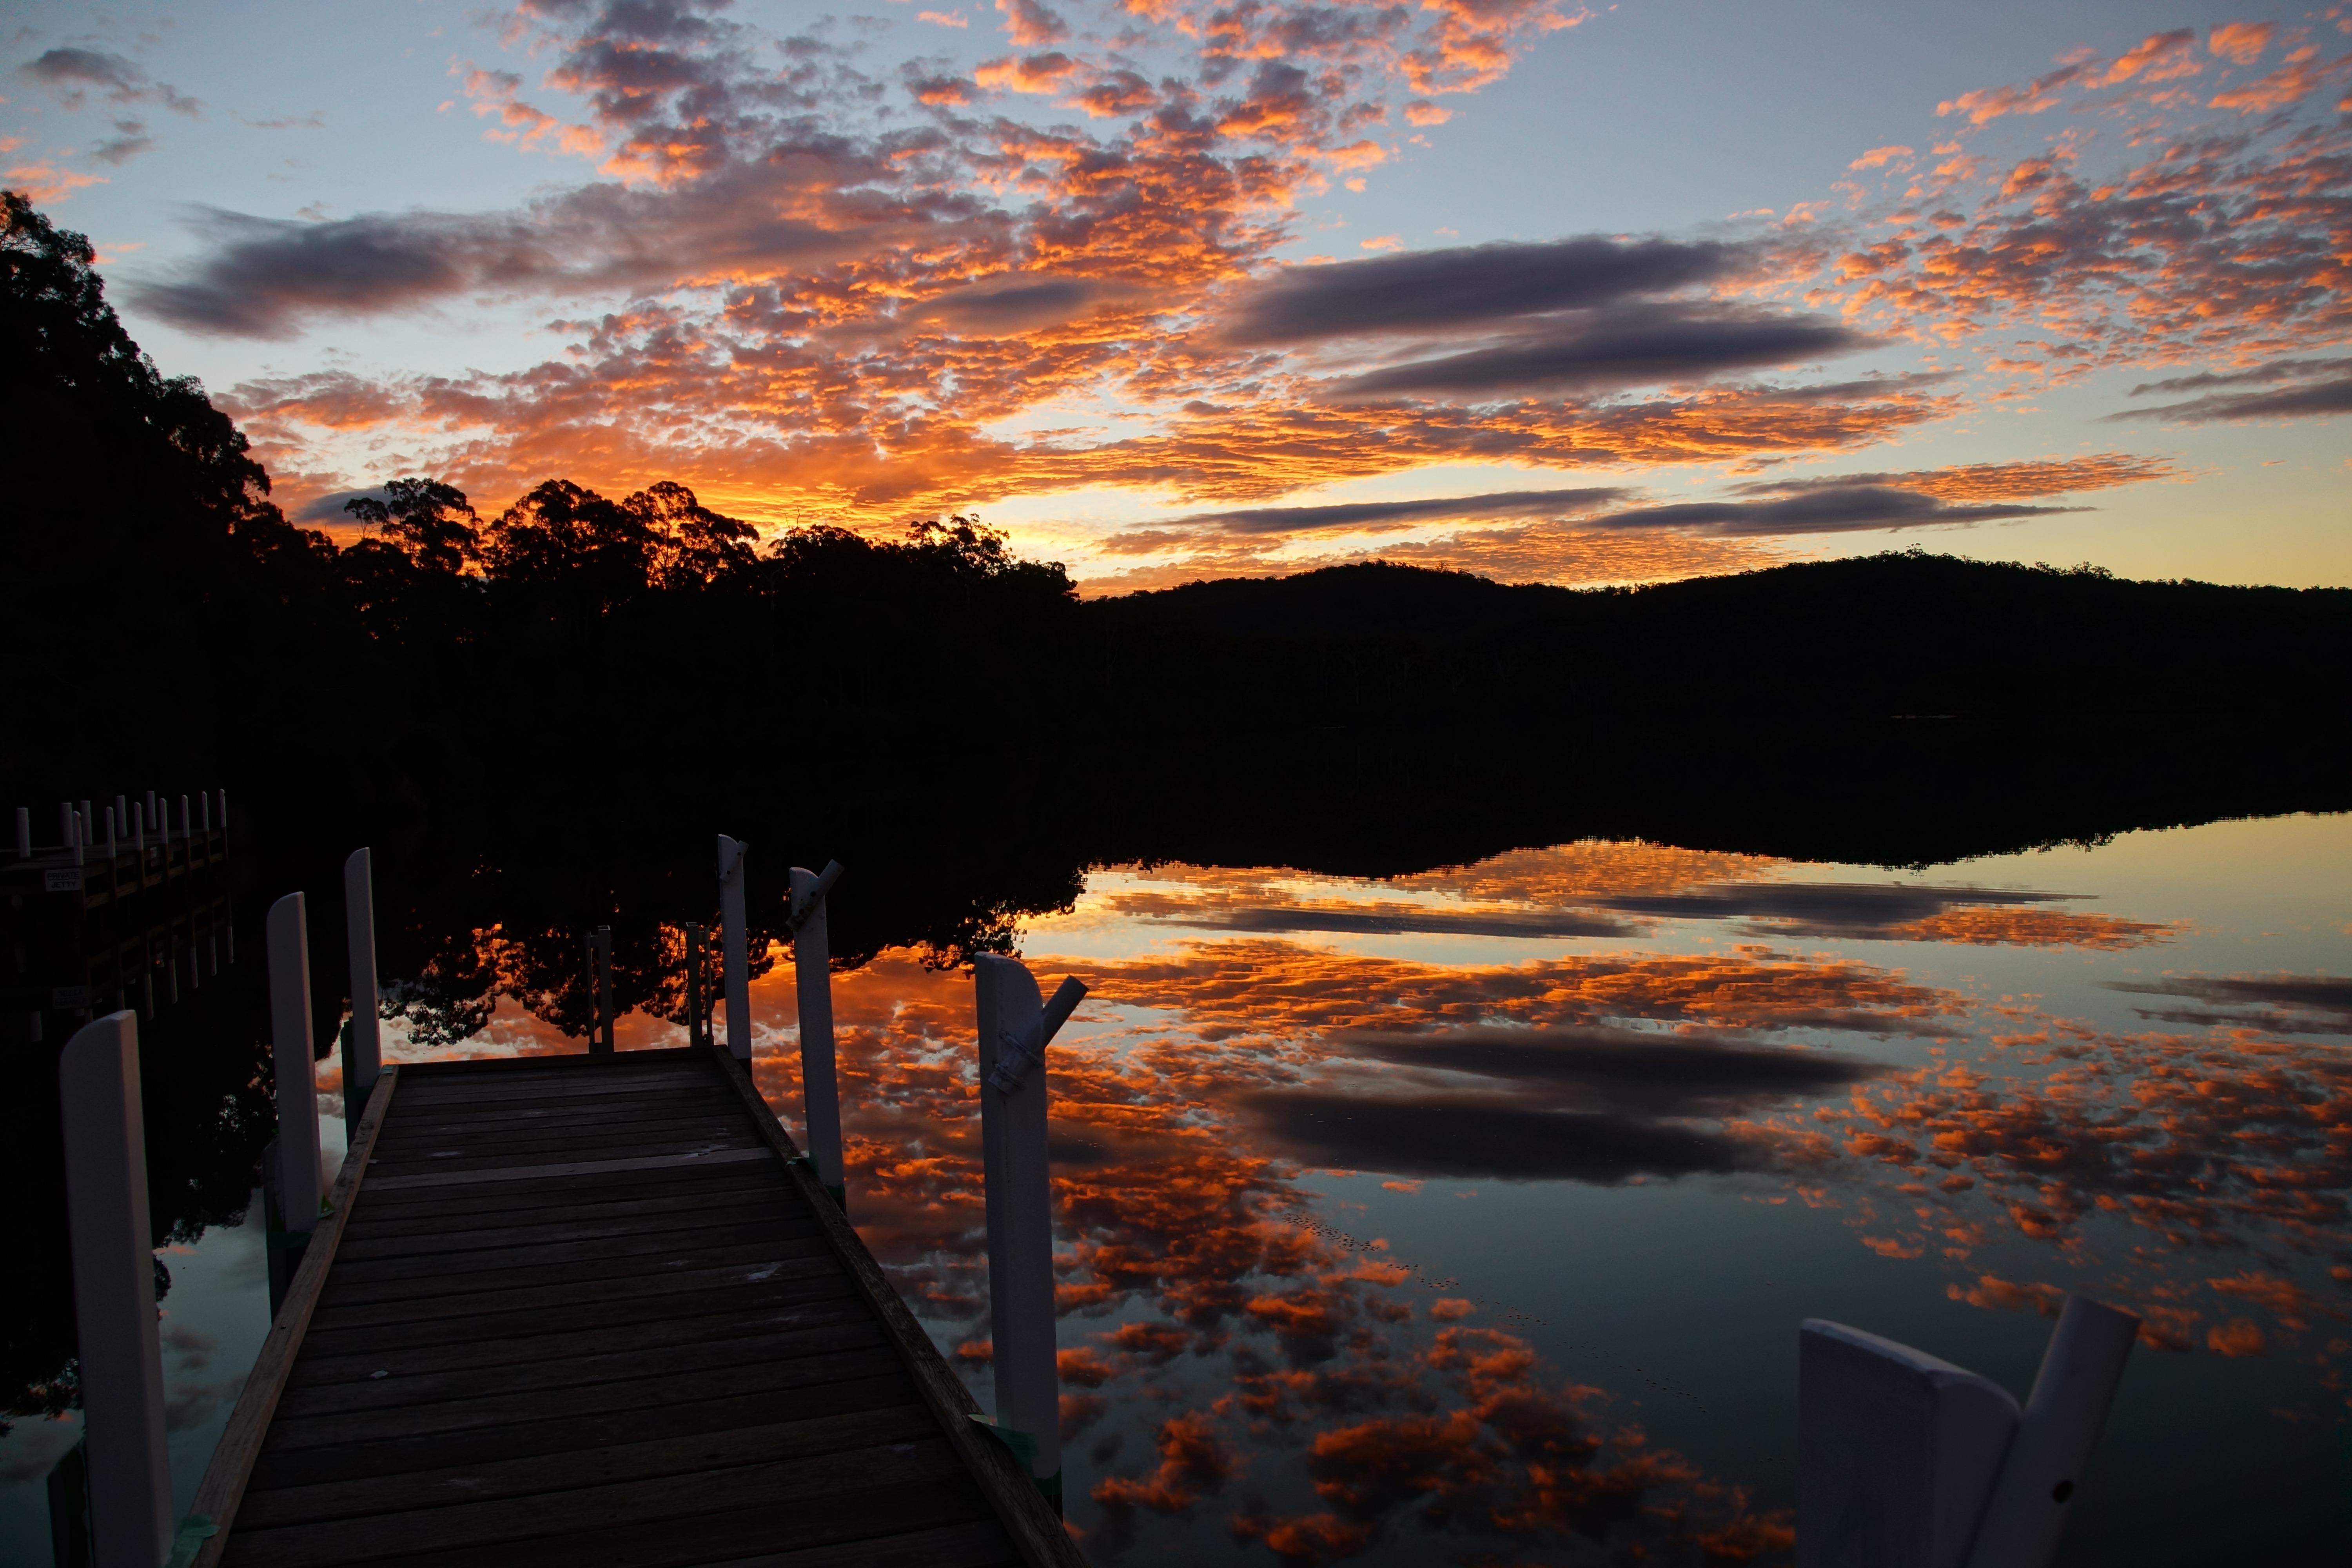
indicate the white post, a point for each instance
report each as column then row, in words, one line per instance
column 359, row 935
column 187, row 823
column 298, row 1091
column 205, row 797
column 24, row 833
column 813, row 986
column 737, row 944
column 1014, row 1029
column 114, row 1295
column 1897, row 1451
column 2080, row 1373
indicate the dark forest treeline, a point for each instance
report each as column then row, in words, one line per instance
column 574, row 656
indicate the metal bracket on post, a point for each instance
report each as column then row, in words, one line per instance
column 129, row 1469
column 813, row 989
column 363, row 1046
column 735, row 940
column 1014, row 1026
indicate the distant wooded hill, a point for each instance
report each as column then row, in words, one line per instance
column 165, row 617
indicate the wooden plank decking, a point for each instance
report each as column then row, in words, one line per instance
column 591, row 1311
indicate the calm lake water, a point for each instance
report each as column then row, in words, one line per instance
column 1469, row 1215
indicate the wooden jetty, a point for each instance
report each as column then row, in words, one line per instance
column 597, row 1310
column 118, row 918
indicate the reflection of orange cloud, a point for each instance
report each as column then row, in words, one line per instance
column 2035, row 928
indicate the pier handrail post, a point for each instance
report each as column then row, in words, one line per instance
column 694, row 1033
column 1014, row 1024
column 812, row 988
column 121, row 1353
column 736, row 942
column 2081, row 1371
column 363, row 1056
column 24, row 833
column 298, row 1093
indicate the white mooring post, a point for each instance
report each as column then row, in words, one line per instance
column 2080, row 1373
column 735, row 942
column 298, row 1091
column 130, row 1468
column 813, row 986
column 1907, row 1461
column 363, row 1058
column 1014, row 1029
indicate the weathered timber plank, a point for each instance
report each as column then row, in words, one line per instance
column 629, row 1116
column 903, row 1464
column 767, row 1208
column 572, row 1168
column 642, row 1404
column 979, row 1545
column 580, row 1088
column 475, row 1305
column 652, row 1308
column 567, row 1150
column 223, row 1487
column 425, row 1279
column 570, row 1197
column 366, row 1259
column 1033, row 1525
column 821, row 1304
column 577, row 1469
column 837, row 1519
column 557, row 1114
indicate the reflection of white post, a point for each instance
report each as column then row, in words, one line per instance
column 2080, row 1373
column 1905, row 1461
column 736, row 942
column 298, row 1091
column 366, row 1056
column 114, row 1294
column 1014, row 1029
column 813, row 986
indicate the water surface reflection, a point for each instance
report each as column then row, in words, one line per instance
column 1467, row 1215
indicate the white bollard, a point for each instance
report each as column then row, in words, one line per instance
column 2080, row 1373
column 736, row 942
column 120, row 1356
column 813, row 986
column 1014, row 1029
column 1897, row 1451
column 366, row 1057
column 298, row 1090
column 206, row 799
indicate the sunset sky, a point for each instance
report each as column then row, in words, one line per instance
column 1170, row 290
